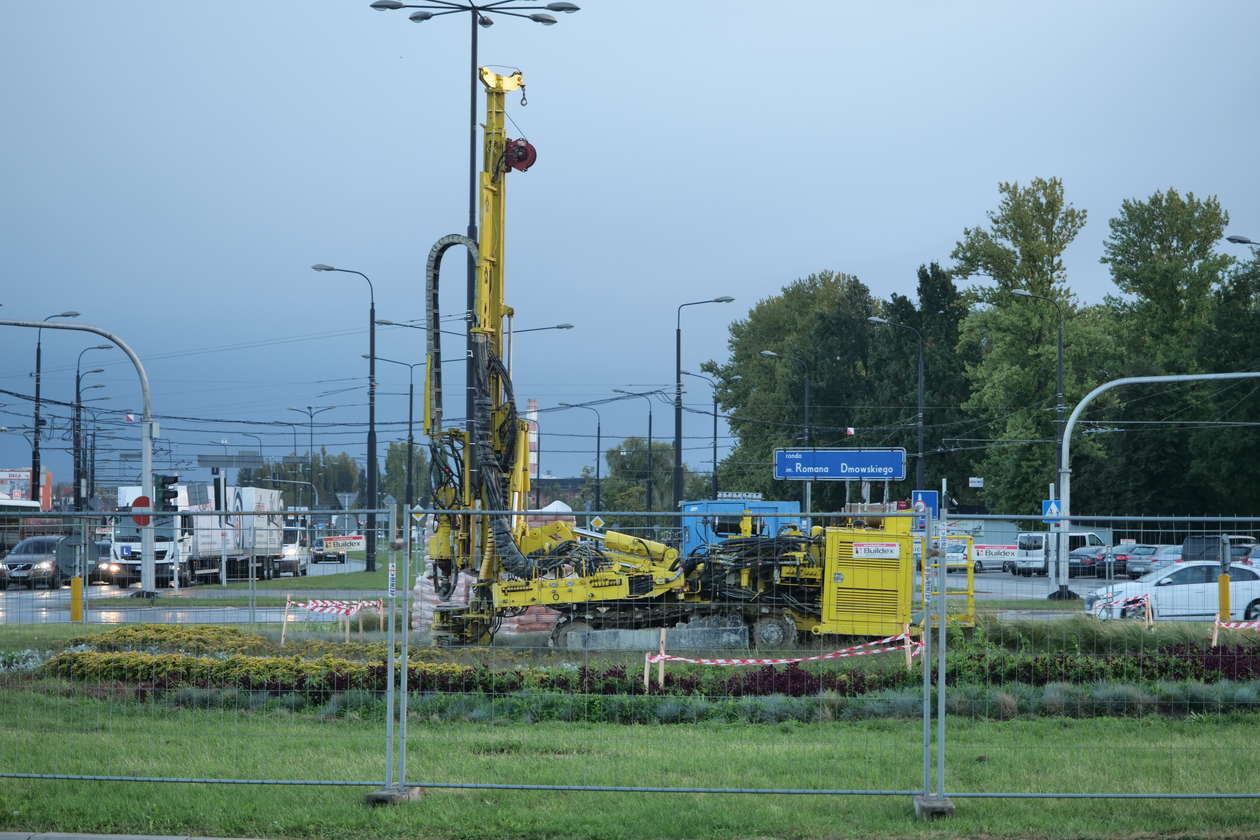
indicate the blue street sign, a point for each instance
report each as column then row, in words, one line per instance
column 930, row 498
column 840, row 464
column 1052, row 508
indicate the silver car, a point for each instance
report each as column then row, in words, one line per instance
column 1140, row 560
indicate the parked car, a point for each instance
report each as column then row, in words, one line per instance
column 956, row 557
column 33, row 561
column 4, row 576
column 1212, row 546
column 1180, row 591
column 1170, row 553
column 1116, row 559
column 1087, row 561
column 327, row 555
column 1139, row 559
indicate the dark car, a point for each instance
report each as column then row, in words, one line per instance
column 1115, row 562
column 4, row 576
column 327, row 555
column 1087, row 561
column 33, row 562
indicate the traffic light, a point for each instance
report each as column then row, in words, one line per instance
column 165, row 493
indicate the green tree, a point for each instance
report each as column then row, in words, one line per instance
column 394, row 477
column 1011, row 344
column 1162, row 252
column 893, row 365
column 818, row 327
column 1182, row 314
column 333, row 474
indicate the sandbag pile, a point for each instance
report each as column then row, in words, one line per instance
column 425, row 600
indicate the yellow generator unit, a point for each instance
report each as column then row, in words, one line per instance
column 868, row 580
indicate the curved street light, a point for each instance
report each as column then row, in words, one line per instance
column 79, row 450
column 678, row 422
column 647, row 395
column 598, row 444
column 39, row 339
column 311, row 413
column 479, row 14
column 371, row 439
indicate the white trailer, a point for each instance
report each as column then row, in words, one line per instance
column 205, row 548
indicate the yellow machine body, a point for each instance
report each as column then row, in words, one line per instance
column 854, row 581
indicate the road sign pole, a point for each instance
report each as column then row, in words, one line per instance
column 148, row 571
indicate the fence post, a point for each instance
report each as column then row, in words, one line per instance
column 930, row 805
column 404, row 667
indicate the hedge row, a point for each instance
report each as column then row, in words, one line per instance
column 996, row 667
column 990, row 703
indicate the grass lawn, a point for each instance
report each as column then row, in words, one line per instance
column 376, row 581
column 45, row 636
column 1037, row 604
column 73, row 734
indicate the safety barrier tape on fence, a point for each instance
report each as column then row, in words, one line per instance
column 865, row 649
column 1238, row 625
column 1132, row 601
column 343, row 608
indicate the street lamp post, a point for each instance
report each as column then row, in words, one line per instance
column 713, row 383
column 371, row 440
column 257, row 438
column 538, row 486
column 809, row 426
column 598, row 447
column 514, row 332
column 311, row 412
column 79, row 373
column 919, row 462
column 35, row 431
column 647, row 396
column 1242, row 240
column 678, row 424
column 409, row 492
column 479, row 15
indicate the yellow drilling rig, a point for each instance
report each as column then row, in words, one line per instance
column 850, row 580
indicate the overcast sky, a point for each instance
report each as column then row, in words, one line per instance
column 171, row 171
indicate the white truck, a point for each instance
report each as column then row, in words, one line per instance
column 205, row 548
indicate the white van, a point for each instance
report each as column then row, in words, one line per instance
column 1035, row 550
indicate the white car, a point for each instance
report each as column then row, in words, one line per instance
column 1180, row 592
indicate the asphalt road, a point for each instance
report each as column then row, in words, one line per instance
column 41, row 606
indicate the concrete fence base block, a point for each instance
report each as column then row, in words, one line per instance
column 683, row 638
column 393, row 795
column 933, row 807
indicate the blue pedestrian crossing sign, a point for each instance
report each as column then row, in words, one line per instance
column 1051, row 510
column 931, row 500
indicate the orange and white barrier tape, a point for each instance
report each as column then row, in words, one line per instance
column 865, row 649
column 1124, row 603
column 342, row 608
column 1238, row 625
column 345, row 610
